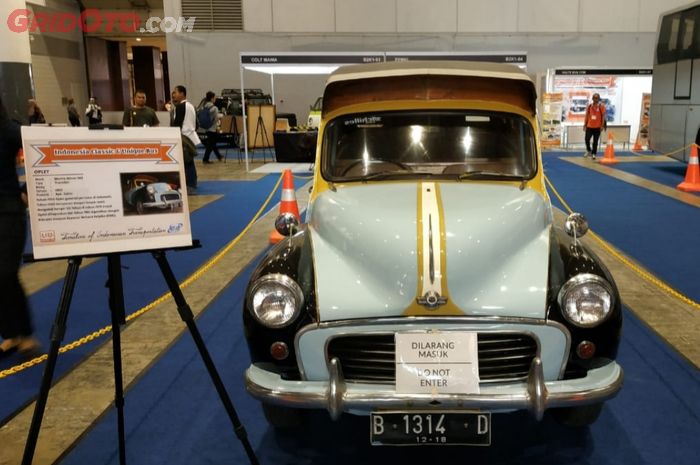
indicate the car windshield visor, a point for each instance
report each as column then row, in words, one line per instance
column 435, row 144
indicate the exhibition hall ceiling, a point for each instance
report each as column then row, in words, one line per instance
column 123, row 4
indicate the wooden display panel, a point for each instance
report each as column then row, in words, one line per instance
column 261, row 125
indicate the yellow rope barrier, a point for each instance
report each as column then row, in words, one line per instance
column 642, row 273
column 192, row 278
column 682, row 149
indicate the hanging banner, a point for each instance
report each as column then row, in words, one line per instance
column 643, row 136
column 551, row 119
column 93, row 192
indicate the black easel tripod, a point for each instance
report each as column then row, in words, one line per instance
column 116, row 305
column 260, row 129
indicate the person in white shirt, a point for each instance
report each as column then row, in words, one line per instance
column 185, row 117
column 93, row 112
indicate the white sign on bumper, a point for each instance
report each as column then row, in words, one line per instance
column 437, row 363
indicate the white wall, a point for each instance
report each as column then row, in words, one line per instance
column 604, row 33
column 632, row 89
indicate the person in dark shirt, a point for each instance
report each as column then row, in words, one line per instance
column 73, row 114
column 140, row 115
column 15, row 323
column 36, row 116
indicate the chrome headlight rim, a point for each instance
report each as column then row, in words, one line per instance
column 578, row 280
column 285, row 281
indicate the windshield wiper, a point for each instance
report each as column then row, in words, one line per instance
column 488, row 174
column 387, row 174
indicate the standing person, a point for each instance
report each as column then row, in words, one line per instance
column 93, row 112
column 208, row 118
column 140, row 115
column 185, row 117
column 73, row 115
column 592, row 124
column 15, row 323
column 36, row 116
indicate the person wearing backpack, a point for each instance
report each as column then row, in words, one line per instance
column 184, row 116
column 208, row 119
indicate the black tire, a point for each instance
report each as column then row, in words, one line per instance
column 577, row 417
column 282, row 417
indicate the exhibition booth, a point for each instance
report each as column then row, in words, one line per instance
column 626, row 94
column 299, row 146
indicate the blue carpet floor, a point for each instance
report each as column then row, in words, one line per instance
column 174, row 416
column 659, row 232
column 667, row 173
column 89, row 310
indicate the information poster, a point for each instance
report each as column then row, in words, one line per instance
column 103, row 191
column 644, row 120
column 551, row 119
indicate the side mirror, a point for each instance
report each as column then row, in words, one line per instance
column 286, row 224
column 576, row 225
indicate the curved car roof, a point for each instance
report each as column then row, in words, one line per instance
column 445, row 68
column 429, row 80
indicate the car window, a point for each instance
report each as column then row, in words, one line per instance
column 428, row 143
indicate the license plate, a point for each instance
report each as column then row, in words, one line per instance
column 430, row 428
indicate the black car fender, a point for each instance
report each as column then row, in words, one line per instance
column 569, row 258
column 291, row 257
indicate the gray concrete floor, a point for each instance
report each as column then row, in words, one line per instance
column 84, row 394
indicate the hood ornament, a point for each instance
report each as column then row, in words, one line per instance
column 432, row 300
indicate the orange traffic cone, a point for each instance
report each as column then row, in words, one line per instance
column 609, row 157
column 637, row 145
column 692, row 176
column 288, row 204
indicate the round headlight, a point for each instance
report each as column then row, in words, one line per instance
column 586, row 300
column 275, row 300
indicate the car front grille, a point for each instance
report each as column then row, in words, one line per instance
column 371, row 358
column 170, row 196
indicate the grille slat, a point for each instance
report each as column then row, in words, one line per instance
column 371, row 358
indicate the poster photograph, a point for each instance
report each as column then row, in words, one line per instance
column 551, row 119
column 93, row 192
column 643, row 136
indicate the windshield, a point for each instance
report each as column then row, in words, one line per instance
column 318, row 105
column 444, row 144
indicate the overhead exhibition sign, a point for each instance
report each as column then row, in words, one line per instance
column 93, row 192
column 515, row 58
column 603, row 71
column 310, row 58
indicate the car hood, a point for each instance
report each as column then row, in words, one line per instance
column 380, row 249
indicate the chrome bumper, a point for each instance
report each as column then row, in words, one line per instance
column 337, row 396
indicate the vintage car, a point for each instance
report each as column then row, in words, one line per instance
column 147, row 192
column 429, row 287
